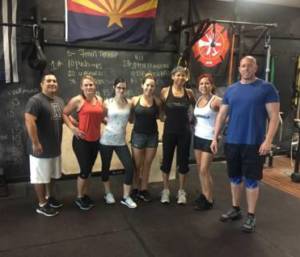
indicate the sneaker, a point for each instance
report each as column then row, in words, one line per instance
column 54, row 203
column 232, row 214
column 46, row 210
column 83, row 204
column 249, row 224
column 203, row 204
column 181, row 197
column 89, row 200
column 129, row 202
column 165, row 196
column 145, row 196
column 199, row 199
column 109, row 198
column 134, row 194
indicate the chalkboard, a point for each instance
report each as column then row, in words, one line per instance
column 13, row 98
column 70, row 64
column 12, row 129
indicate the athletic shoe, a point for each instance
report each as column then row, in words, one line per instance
column 129, row 202
column 54, row 203
column 134, row 194
column 83, row 204
column 145, row 196
column 46, row 210
column 89, row 200
column 203, row 204
column 181, row 197
column 249, row 224
column 109, row 198
column 199, row 199
column 165, row 196
column 232, row 214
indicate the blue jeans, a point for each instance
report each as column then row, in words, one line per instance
column 142, row 141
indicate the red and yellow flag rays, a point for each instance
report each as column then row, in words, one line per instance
column 115, row 9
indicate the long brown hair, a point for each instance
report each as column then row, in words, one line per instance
column 116, row 82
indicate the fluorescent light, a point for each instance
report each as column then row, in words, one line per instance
column 291, row 3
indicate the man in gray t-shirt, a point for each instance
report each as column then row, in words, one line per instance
column 43, row 120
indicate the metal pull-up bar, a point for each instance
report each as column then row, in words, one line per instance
column 258, row 24
column 269, row 25
column 17, row 25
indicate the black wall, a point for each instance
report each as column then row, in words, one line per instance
column 285, row 47
column 285, row 43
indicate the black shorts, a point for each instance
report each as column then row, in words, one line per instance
column 202, row 144
column 244, row 161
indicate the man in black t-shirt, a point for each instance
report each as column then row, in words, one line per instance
column 43, row 120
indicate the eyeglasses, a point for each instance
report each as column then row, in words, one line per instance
column 121, row 88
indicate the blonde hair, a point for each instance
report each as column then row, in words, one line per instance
column 148, row 75
column 91, row 78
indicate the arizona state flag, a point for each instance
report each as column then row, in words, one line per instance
column 126, row 21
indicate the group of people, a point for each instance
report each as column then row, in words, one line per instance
column 245, row 108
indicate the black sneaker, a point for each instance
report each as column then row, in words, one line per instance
column 249, row 224
column 199, row 199
column 46, row 210
column 134, row 194
column 145, row 196
column 89, row 200
column 83, row 204
column 202, row 204
column 232, row 214
column 54, row 203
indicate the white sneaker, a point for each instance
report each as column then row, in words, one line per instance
column 129, row 202
column 165, row 196
column 181, row 197
column 109, row 198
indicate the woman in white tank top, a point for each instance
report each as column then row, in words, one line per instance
column 205, row 113
column 113, row 140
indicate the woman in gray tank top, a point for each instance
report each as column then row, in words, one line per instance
column 113, row 139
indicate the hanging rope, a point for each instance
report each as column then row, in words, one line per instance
column 231, row 60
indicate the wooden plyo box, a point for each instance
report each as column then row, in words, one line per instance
column 70, row 164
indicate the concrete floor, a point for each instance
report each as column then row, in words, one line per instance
column 151, row 230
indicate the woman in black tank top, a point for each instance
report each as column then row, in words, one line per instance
column 144, row 138
column 177, row 101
